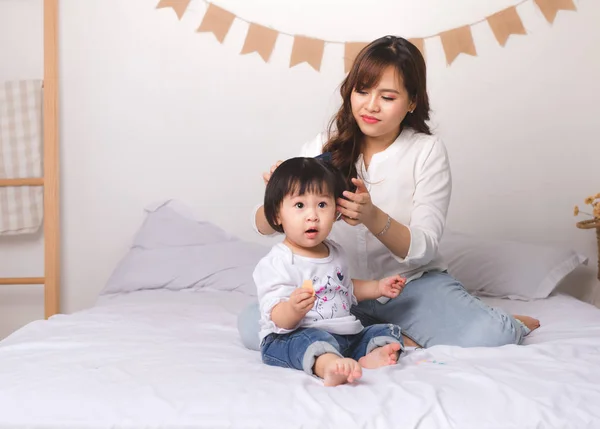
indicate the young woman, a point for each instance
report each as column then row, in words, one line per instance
column 395, row 218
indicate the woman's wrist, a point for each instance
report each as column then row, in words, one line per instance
column 260, row 221
column 378, row 221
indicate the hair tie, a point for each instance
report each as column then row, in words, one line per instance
column 325, row 157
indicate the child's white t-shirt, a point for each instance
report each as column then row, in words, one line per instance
column 280, row 272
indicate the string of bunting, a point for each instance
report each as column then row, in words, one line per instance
column 262, row 39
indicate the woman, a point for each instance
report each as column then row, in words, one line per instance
column 395, row 218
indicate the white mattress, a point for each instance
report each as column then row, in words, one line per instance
column 167, row 359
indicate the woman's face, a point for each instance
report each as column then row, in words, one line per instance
column 380, row 110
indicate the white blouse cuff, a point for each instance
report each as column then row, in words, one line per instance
column 417, row 249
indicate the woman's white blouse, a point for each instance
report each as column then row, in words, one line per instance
column 411, row 181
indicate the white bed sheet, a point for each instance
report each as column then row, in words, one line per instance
column 163, row 359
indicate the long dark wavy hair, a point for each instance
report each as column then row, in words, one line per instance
column 345, row 137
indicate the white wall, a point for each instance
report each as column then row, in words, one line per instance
column 21, row 57
column 151, row 110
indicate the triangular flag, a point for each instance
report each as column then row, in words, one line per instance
column 351, row 50
column 260, row 39
column 457, row 41
column 420, row 44
column 179, row 6
column 216, row 20
column 306, row 49
column 505, row 23
column 550, row 8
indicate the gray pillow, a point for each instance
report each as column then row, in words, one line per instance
column 172, row 250
column 505, row 268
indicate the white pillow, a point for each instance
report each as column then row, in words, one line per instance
column 174, row 250
column 507, row 269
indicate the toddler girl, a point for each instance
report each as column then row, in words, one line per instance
column 304, row 288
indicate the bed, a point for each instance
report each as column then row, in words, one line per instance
column 173, row 359
column 161, row 349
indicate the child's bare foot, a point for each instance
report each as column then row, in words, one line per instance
column 530, row 322
column 341, row 371
column 381, row 356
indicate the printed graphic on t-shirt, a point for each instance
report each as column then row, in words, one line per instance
column 333, row 298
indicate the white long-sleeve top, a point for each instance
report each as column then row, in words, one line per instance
column 281, row 271
column 411, row 181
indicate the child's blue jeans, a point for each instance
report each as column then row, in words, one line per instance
column 301, row 348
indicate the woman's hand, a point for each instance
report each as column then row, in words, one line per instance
column 391, row 287
column 358, row 207
column 267, row 176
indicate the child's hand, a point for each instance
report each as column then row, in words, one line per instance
column 302, row 301
column 392, row 286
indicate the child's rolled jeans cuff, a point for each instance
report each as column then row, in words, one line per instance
column 383, row 341
column 315, row 350
column 395, row 336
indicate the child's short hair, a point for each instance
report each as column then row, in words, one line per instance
column 299, row 176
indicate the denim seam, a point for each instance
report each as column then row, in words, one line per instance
column 267, row 357
column 520, row 329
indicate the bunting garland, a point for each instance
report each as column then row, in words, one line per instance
column 550, row 8
column 260, row 40
column 216, row 20
column 179, row 6
column 505, row 23
column 456, row 41
column 307, row 50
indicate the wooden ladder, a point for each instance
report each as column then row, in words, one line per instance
column 50, row 181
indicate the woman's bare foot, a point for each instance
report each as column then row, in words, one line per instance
column 381, row 356
column 530, row 322
column 341, row 371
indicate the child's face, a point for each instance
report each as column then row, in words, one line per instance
column 307, row 219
